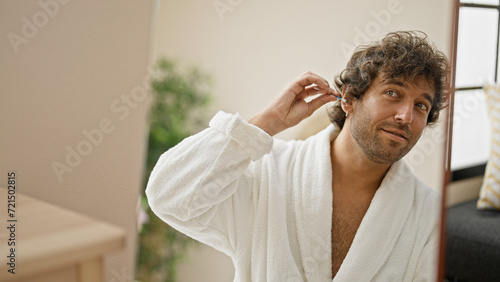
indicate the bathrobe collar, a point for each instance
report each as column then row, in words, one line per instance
column 379, row 230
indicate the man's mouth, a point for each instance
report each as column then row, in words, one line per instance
column 397, row 133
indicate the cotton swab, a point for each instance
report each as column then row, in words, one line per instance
column 339, row 98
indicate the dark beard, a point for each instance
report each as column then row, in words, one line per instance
column 374, row 146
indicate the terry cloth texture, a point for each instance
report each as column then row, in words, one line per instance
column 267, row 204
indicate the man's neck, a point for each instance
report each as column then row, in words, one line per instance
column 351, row 168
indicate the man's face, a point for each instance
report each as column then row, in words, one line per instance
column 390, row 117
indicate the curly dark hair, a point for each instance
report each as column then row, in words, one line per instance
column 404, row 54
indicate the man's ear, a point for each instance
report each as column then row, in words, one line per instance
column 347, row 104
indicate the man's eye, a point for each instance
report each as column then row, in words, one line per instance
column 391, row 93
column 422, row 106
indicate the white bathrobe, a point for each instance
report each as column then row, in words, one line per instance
column 267, row 204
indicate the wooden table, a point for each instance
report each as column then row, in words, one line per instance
column 52, row 243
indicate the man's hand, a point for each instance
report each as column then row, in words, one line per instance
column 289, row 107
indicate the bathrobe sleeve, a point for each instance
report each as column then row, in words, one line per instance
column 204, row 186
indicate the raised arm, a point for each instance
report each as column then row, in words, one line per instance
column 290, row 107
column 204, row 186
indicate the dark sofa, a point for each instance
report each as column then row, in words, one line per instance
column 472, row 243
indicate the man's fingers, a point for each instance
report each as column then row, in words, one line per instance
column 308, row 80
column 291, row 106
column 319, row 101
column 314, row 90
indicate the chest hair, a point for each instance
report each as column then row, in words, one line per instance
column 347, row 215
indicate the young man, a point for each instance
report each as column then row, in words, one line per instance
column 340, row 205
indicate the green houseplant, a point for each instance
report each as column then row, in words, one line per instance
column 179, row 97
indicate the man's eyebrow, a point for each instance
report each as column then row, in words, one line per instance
column 394, row 81
column 428, row 97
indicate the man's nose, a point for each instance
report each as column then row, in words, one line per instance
column 404, row 114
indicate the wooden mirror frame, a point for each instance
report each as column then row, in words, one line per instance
column 448, row 142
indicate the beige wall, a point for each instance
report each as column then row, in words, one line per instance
column 254, row 48
column 67, row 67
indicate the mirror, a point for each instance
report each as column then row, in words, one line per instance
column 473, row 195
column 254, row 48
